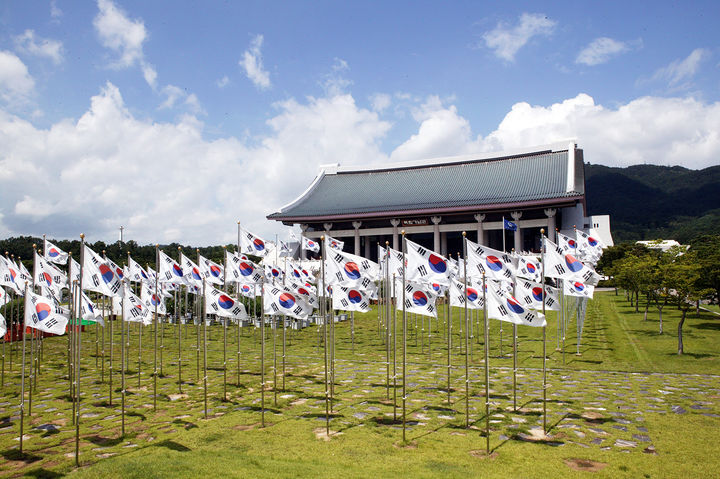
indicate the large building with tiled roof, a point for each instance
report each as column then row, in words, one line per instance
column 434, row 201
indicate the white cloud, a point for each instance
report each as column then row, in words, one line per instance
column 223, row 82
column 164, row 181
column 335, row 82
column 678, row 72
column 16, row 84
column 505, row 40
column 42, row 47
column 253, row 64
column 600, row 51
column 150, row 75
column 120, row 34
column 380, row 101
column 55, row 11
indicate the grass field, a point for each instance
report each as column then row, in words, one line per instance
column 628, row 406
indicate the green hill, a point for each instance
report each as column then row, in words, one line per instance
column 650, row 201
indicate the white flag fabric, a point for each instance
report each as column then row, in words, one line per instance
column 310, row 245
column 578, row 289
column 346, row 269
column 529, row 268
column 191, row 270
column 3, row 326
column 418, row 298
column 425, row 266
column 530, row 294
column 333, row 243
column 48, row 275
column 565, row 266
column 221, row 304
column 473, row 296
column 98, row 276
column 252, row 244
column 42, row 314
column 568, row 244
column 503, row 306
column 151, row 299
column 241, row 270
column 170, row 271
column 278, row 300
column 137, row 273
column 305, row 293
column 590, row 246
column 133, row 308
column 89, row 311
column 249, row 290
column 350, row 299
column 493, row 263
column 10, row 276
column 4, row 298
column 54, row 254
column 211, row 271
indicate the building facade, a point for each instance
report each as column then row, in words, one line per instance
column 434, row 201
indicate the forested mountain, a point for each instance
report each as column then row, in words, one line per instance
column 651, row 202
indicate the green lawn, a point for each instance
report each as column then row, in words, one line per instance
column 628, row 401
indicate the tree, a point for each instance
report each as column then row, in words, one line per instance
column 707, row 248
column 683, row 278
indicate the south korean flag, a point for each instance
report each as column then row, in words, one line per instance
column 41, row 313
column 191, row 270
column 134, row 309
column 310, row 245
column 211, row 271
column 241, row 270
column 99, row 275
column 306, row 293
column 425, row 266
column 350, row 299
column 346, row 269
column 472, row 295
column 221, row 304
column 503, row 306
column 492, row 263
column 565, row 266
column 252, row 244
column 152, row 300
column 279, row 300
column 568, row 244
column 578, row 289
column 529, row 268
column 169, row 271
column 418, row 298
column 49, row 276
column 54, row 254
column 89, row 311
column 530, row 294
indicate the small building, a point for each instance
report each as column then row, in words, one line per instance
column 434, row 201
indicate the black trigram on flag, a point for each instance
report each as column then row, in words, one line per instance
column 560, row 269
column 587, row 275
column 422, row 270
column 274, row 307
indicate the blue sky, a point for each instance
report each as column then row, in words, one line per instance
column 177, row 119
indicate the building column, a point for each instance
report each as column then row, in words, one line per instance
column 357, row 225
column 395, row 223
column 480, row 229
column 551, row 225
column 516, row 215
column 367, row 247
column 436, row 232
column 443, row 243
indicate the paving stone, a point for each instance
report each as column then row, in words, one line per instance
column 625, row 443
column 678, row 410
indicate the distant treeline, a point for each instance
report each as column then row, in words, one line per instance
column 648, row 202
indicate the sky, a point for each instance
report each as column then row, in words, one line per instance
column 178, row 119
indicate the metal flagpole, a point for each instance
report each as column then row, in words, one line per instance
column 404, row 362
column 140, row 331
column 284, row 320
column 467, row 340
column 323, row 312
column 273, row 328
column 262, row 351
column 487, row 366
column 542, row 260
column 204, row 321
column 122, row 366
column 387, row 320
column 22, row 374
column 448, row 315
column 78, row 293
column 394, row 348
column 179, row 318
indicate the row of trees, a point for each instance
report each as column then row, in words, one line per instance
column 680, row 276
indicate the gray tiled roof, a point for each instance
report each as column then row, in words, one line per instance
column 470, row 183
